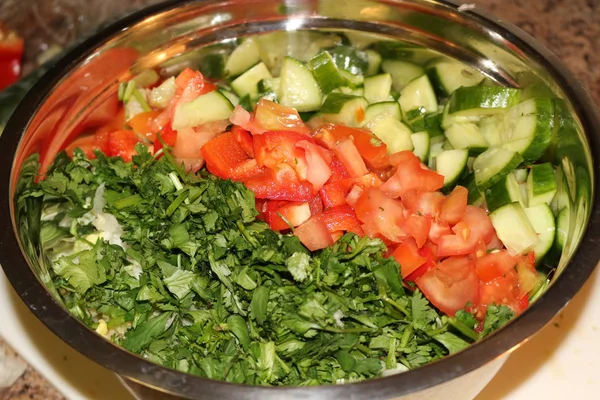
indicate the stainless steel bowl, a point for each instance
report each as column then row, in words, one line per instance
column 78, row 88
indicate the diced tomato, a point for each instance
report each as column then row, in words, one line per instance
column 527, row 274
column 411, row 175
column 90, row 143
column 474, row 228
column 334, row 194
column 417, row 226
column 168, row 136
column 272, row 116
column 380, row 215
column 338, row 172
column 501, row 290
column 122, row 143
column 280, row 185
column 493, row 265
column 451, row 284
column 281, row 214
column 494, row 243
column 455, row 245
column 429, row 252
column 341, row 218
column 480, row 224
column 261, row 207
column 453, row 208
column 244, row 139
column 191, row 84
column 317, row 168
column 314, row 234
column 438, row 229
column 354, row 195
column 407, row 255
column 371, row 149
column 142, row 123
column 426, row 203
column 272, row 149
column 227, row 159
column 369, row 180
column 346, row 151
column 316, row 205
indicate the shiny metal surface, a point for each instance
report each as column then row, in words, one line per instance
column 78, row 93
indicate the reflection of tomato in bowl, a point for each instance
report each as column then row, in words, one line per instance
column 11, row 53
column 393, row 206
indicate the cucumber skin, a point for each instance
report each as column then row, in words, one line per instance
column 513, row 164
column 430, row 123
column 498, row 194
column 326, row 72
column 334, row 102
column 543, row 132
column 482, row 97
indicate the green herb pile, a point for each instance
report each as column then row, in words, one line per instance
column 190, row 279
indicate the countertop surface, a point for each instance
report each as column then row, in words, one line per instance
column 569, row 28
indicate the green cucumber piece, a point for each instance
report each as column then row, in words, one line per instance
column 377, row 88
column 390, row 108
column 418, row 94
column 299, row 88
column 326, row 72
column 402, row 72
column 467, row 136
column 521, row 175
column 448, row 120
column 343, row 109
column 436, row 146
column 562, row 229
column 230, row 96
column 270, row 85
column 421, row 143
column 528, row 128
column 504, row 192
column 541, row 184
column 543, row 222
column 514, row 229
column 374, row 62
column 209, row 107
column 449, row 75
column 490, row 129
column 431, row 123
column 247, row 83
column 160, row 96
column 482, row 100
column 243, row 57
column 349, row 59
column 451, row 164
column 493, row 164
column 395, row 134
column 476, row 197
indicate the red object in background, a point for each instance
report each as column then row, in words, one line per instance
column 11, row 53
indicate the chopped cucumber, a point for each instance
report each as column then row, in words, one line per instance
column 209, row 107
column 448, row 120
column 374, row 62
column 504, row 192
column 243, row 57
column 467, row 136
column 402, row 72
column 451, row 164
column 482, row 100
column 418, row 94
column 160, row 96
column 395, row 134
column 562, row 229
column 514, row 229
column 493, row 164
column 230, row 96
column 541, row 184
column 435, row 148
column 378, row 88
column 349, row 59
column 449, row 75
column 542, row 220
column 390, row 108
column 521, row 175
column 490, row 129
column 476, row 197
column 421, row 143
column 343, row 109
column 271, row 85
column 430, row 123
column 247, row 83
column 527, row 128
column 299, row 88
column 327, row 73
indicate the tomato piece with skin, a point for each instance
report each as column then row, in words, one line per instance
column 338, row 172
column 227, row 159
column 353, row 195
column 142, row 123
column 503, row 290
column 274, row 148
column 451, row 284
column 474, row 228
column 314, row 234
column 372, row 149
column 168, row 136
column 318, row 170
column 411, row 175
column 122, row 143
column 429, row 252
column 347, row 152
column 455, row 205
column 334, row 194
column 244, row 139
column 425, row 203
column 418, row 226
column 380, row 215
column 407, row 255
column 341, row 218
column 493, row 265
column 438, row 229
column 316, row 205
column 283, row 215
column 280, row 185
